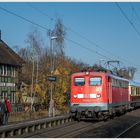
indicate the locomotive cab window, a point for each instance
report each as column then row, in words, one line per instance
column 79, row 81
column 95, row 81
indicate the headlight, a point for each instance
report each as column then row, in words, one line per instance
column 98, row 95
column 86, row 72
column 75, row 96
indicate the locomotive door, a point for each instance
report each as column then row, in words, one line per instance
column 109, row 90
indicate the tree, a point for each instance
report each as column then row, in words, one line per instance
column 127, row 73
column 60, row 33
column 56, row 57
column 58, row 44
column 31, row 54
column 132, row 72
column 99, row 68
column 34, row 43
column 36, row 54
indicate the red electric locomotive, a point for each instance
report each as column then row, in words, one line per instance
column 98, row 95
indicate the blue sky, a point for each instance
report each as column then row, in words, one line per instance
column 101, row 23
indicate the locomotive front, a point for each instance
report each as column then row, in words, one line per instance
column 88, row 94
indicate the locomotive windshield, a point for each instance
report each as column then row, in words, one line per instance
column 79, row 81
column 95, row 81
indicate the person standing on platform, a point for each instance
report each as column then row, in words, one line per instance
column 2, row 112
column 8, row 109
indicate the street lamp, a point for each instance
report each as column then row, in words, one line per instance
column 100, row 61
column 51, row 104
column 53, row 37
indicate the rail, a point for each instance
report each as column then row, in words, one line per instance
column 21, row 128
column 127, row 130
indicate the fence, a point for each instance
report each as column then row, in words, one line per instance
column 24, row 128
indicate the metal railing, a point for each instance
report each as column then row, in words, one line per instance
column 19, row 129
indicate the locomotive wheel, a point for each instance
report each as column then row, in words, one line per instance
column 78, row 116
column 100, row 116
column 112, row 115
column 73, row 116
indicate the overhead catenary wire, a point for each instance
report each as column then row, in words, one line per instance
column 78, row 34
column 98, row 45
column 44, row 28
column 23, row 18
column 73, row 31
column 87, row 48
column 133, row 9
column 129, row 21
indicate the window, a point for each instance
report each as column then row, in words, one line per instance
column 3, row 95
column 79, row 81
column 5, row 79
column 95, row 81
column 12, row 97
column 5, row 70
column 1, row 72
column 8, row 70
column 114, row 82
column 9, row 80
column 12, row 71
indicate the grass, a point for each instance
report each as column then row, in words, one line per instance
column 24, row 116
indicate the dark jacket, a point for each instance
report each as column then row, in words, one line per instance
column 2, row 108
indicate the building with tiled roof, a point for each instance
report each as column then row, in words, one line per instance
column 10, row 65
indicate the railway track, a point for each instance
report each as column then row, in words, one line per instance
column 130, row 132
column 119, row 127
column 68, row 130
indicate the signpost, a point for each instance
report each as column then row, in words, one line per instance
column 52, row 78
column 51, row 108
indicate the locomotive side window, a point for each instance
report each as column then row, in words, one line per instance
column 95, row 81
column 79, row 81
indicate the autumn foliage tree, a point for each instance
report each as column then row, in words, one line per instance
column 39, row 55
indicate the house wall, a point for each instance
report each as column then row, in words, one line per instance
column 8, row 80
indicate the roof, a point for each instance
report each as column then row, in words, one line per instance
column 8, row 56
column 118, row 77
column 133, row 83
column 87, row 73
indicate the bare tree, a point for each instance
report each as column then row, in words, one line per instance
column 34, row 49
column 60, row 33
column 132, row 72
column 58, row 44
column 127, row 72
